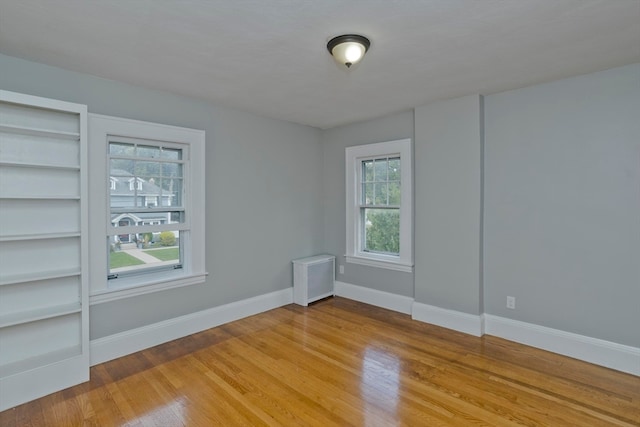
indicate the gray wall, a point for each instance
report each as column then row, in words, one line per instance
column 264, row 182
column 561, row 199
column 562, row 204
column 393, row 127
column 448, row 158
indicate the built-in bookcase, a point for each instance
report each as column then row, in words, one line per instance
column 44, row 318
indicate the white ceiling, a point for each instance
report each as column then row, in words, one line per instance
column 269, row 56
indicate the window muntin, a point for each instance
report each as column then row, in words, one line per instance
column 147, row 215
column 379, row 205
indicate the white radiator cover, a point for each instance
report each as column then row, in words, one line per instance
column 313, row 278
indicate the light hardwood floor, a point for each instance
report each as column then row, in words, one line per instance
column 341, row 363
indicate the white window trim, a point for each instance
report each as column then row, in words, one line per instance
column 101, row 128
column 353, row 157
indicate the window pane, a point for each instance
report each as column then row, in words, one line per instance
column 166, row 191
column 121, row 149
column 381, row 194
column 394, row 193
column 172, row 170
column 367, row 170
column 394, row 169
column 171, row 153
column 367, row 194
column 131, row 252
column 381, row 230
column 381, row 170
column 152, row 185
column 171, row 192
column 148, row 151
column 146, row 169
column 121, row 167
column 121, row 197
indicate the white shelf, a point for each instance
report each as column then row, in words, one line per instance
column 34, row 277
column 38, row 166
column 40, row 197
column 23, row 130
column 46, row 236
column 38, row 361
column 39, row 314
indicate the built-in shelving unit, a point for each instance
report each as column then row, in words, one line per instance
column 44, row 321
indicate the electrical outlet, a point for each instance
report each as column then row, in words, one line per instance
column 341, row 269
column 511, row 302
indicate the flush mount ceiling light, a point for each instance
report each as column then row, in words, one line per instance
column 348, row 49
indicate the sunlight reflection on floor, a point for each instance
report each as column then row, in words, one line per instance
column 174, row 412
column 380, row 385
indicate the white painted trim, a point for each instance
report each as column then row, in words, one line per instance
column 121, row 344
column 389, row 265
column 193, row 141
column 353, row 157
column 600, row 352
column 155, row 286
column 593, row 350
column 382, row 299
column 472, row 324
column 34, row 383
column 48, row 103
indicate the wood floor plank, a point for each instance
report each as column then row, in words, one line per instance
column 315, row 366
column 339, row 363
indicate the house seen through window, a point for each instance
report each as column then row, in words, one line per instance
column 146, row 203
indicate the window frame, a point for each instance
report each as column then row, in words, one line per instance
column 102, row 131
column 354, row 156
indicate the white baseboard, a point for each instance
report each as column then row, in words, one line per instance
column 600, row 352
column 604, row 353
column 370, row 296
column 450, row 319
column 593, row 350
column 121, row 344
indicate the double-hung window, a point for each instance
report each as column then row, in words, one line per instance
column 147, row 192
column 379, row 205
column 147, row 221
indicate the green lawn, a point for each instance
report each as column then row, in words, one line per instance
column 166, row 254
column 122, row 259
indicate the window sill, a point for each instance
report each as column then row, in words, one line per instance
column 127, row 288
column 379, row 263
